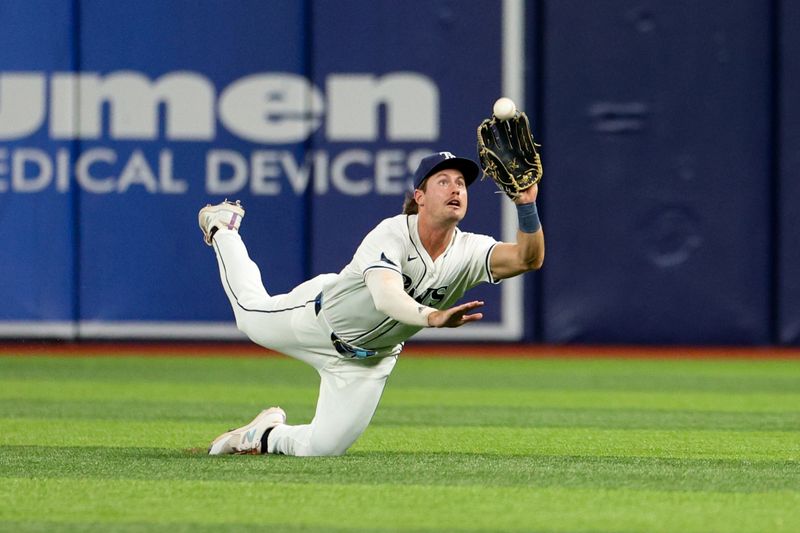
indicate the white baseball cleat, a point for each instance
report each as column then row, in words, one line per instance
column 227, row 215
column 247, row 439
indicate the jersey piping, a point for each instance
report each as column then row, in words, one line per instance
column 238, row 303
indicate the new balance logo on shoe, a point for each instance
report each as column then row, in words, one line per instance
column 247, row 439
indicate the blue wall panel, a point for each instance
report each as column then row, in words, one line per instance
column 789, row 174
column 37, row 264
column 142, row 255
column 656, row 119
column 657, row 172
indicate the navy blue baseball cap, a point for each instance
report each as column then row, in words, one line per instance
column 442, row 160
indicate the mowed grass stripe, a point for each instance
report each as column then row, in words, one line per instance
column 134, row 409
column 602, row 374
column 57, row 390
column 100, row 391
column 150, row 527
column 412, row 506
column 774, row 445
column 568, row 374
column 600, row 417
column 715, row 475
column 251, row 371
column 435, row 415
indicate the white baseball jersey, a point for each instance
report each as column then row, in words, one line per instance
column 347, row 304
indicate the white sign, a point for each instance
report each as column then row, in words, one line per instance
column 268, row 108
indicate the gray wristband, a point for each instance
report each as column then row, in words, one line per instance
column 528, row 218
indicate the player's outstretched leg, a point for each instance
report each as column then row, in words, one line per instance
column 226, row 214
column 254, row 309
column 247, row 439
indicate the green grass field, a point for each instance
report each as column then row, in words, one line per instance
column 118, row 444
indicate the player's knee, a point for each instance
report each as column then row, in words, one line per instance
column 332, row 452
column 246, row 326
column 242, row 324
column 327, row 448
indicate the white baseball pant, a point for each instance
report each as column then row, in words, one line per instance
column 350, row 389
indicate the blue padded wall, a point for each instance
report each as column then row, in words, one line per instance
column 657, row 184
column 669, row 196
column 37, row 268
column 789, row 172
column 161, row 270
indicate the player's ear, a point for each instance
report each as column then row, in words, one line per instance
column 418, row 196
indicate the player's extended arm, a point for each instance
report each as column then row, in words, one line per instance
column 511, row 259
column 386, row 287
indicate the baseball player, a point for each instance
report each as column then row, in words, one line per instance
column 407, row 274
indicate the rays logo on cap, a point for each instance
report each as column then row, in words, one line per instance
column 442, row 160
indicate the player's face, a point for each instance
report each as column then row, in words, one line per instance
column 445, row 196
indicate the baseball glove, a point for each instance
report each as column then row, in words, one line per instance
column 508, row 154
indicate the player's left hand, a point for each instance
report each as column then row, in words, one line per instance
column 455, row 316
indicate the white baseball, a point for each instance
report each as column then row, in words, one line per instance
column 504, row 108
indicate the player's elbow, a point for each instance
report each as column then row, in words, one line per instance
column 531, row 253
column 536, row 263
column 527, row 264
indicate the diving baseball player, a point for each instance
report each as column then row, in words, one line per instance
column 406, row 275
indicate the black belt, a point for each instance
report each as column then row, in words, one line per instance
column 342, row 347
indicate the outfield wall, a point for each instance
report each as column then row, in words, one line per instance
column 669, row 132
